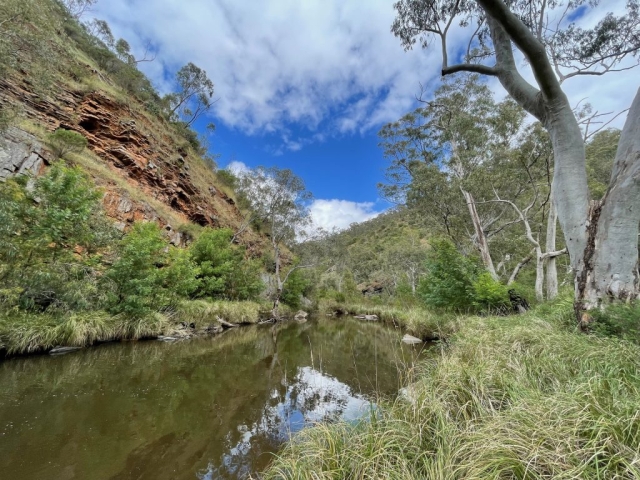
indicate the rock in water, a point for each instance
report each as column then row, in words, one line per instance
column 371, row 318
column 163, row 338
column 301, row 316
column 411, row 340
column 63, row 350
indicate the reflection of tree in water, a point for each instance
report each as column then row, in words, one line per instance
column 310, row 397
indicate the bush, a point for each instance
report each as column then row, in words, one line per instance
column 148, row 276
column 63, row 142
column 226, row 177
column 223, row 271
column 50, row 236
column 449, row 282
column 294, row 289
column 489, row 295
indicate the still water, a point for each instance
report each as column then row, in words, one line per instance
column 207, row 408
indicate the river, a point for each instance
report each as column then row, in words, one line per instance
column 206, row 408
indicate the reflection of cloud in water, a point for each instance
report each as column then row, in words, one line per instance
column 311, row 397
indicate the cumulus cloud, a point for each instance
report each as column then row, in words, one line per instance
column 276, row 62
column 339, row 214
column 331, row 66
column 237, row 167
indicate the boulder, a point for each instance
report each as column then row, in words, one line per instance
column 411, row 340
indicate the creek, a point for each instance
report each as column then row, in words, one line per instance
column 206, row 408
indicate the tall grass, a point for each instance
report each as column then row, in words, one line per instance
column 518, row 397
column 417, row 321
column 22, row 333
column 27, row 333
column 203, row 312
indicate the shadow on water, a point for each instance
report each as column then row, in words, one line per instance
column 203, row 409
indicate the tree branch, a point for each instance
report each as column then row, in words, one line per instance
column 528, row 44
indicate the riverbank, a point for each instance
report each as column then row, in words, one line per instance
column 22, row 333
column 508, row 397
column 420, row 322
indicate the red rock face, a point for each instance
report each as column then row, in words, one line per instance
column 129, row 143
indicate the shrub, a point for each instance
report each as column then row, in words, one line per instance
column 490, row 295
column 449, row 279
column 63, row 142
column 294, row 289
column 226, row 177
column 148, row 276
column 49, row 239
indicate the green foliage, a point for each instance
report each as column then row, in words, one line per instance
column 490, row 295
column 63, row 142
column 50, row 237
column 227, row 178
column 148, row 276
column 618, row 320
column 449, row 282
column 223, row 271
column 294, row 288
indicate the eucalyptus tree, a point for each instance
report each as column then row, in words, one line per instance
column 279, row 198
column 194, row 97
column 444, row 147
column 601, row 237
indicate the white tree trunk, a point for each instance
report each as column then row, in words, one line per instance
column 482, row 243
column 569, row 186
column 611, row 255
column 539, row 274
column 552, row 270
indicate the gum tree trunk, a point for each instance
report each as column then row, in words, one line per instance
column 482, row 243
column 610, row 260
column 552, row 271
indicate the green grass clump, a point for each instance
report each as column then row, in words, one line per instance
column 519, row 397
column 417, row 321
column 28, row 333
column 204, row 312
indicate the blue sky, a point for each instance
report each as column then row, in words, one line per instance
column 307, row 84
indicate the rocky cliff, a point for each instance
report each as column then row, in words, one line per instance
column 145, row 169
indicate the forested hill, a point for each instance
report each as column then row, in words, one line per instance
column 379, row 255
column 59, row 74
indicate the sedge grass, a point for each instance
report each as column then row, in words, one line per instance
column 507, row 398
column 420, row 322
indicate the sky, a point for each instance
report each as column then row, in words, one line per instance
column 307, row 84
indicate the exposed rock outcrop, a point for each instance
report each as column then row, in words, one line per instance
column 20, row 153
column 142, row 150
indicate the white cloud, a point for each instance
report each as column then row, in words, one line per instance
column 332, row 66
column 237, row 168
column 280, row 61
column 329, row 214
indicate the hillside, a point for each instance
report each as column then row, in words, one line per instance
column 149, row 168
column 381, row 254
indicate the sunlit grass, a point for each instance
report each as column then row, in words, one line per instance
column 524, row 397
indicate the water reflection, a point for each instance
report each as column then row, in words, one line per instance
column 208, row 408
column 310, row 397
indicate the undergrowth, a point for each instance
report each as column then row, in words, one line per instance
column 523, row 397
